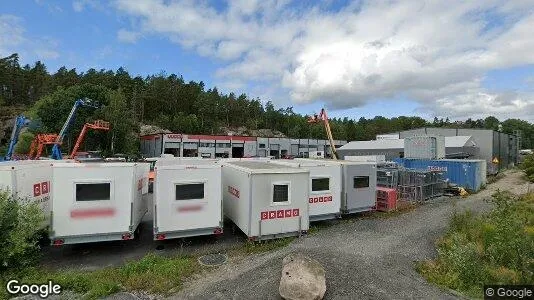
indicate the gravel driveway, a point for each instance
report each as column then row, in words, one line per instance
column 364, row 258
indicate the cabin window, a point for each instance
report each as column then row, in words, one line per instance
column 93, row 191
column 320, row 184
column 361, row 182
column 280, row 193
column 262, row 146
column 190, row 191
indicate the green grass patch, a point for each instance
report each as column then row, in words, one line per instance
column 495, row 248
column 154, row 274
column 264, row 246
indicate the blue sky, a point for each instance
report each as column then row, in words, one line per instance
column 357, row 58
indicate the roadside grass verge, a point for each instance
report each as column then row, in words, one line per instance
column 154, row 274
column 495, row 248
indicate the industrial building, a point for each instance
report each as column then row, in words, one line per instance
column 217, row 146
column 459, row 143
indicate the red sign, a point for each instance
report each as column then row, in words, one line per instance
column 37, row 190
column 233, row 191
column 321, row 199
column 44, row 187
column 174, row 136
column 92, row 213
column 279, row 214
column 189, row 208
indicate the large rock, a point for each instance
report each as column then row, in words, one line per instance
column 303, row 278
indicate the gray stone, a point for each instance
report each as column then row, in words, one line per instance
column 303, row 278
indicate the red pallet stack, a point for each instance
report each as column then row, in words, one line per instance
column 386, row 199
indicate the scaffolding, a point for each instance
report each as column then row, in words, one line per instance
column 419, row 185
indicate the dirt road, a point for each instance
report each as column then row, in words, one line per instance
column 370, row 258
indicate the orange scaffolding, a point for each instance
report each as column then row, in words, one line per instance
column 96, row 125
column 39, row 142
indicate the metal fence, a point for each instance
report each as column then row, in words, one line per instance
column 419, row 185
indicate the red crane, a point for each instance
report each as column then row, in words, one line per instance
column 324, row 118
column 39, row 142
column 96, row 125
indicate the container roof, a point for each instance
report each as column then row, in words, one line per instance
column 450, row 142
column 265, row 167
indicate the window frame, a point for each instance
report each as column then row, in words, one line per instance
column 321, row 177
column 368, row 182
column 174, row 184
column 288, row 202
column 111, row 190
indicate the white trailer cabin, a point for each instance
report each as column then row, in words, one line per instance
column 28, row 180
column 324, row 200
column 358, row 185
column 97, row 202
column 187, row 198
column 266, row 200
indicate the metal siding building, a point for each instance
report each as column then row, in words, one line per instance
column 492, row 144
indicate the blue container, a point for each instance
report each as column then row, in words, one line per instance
column 467, row 173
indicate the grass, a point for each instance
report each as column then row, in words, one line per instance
column 495, row 248
column 154, row 274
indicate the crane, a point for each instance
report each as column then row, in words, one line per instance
column 20, row 122
column 56, row 151
column 38, row 143
column 96, row 125
column 324, row 118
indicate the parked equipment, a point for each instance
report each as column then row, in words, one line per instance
column 39, row 142
column 56, row 151
column 20, row 122
column 97, row 201
column 324, row 200
column 324, row 118
column 28, row 181
column 96, row 125
column 266, row 200
column 187, row 198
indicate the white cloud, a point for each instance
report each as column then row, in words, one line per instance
column 127, row 36
column 77, row 6
column 11, row 34
column 47, row 54
column 435, row 52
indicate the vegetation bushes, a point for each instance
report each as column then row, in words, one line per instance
column 19, row 232
column 496, row 248
column 528, row 167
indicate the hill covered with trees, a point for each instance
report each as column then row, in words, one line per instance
column 169, row 102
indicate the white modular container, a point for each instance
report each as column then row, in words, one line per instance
column 97, row 202
column 187, row 198
column 266, row 200
column 358, row 185
column 28, row 180
column 324, row 200
column 367, row 158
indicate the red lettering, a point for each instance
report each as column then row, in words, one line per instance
column 321, row 199
column 288, row 213
column 295, row 212
column 36, row 190
column 315, row 200
column 280, row 214
column 264, row 215
column 272, row 214
column 44, row 187
column 310, row 200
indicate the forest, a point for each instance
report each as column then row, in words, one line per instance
column 167, row 101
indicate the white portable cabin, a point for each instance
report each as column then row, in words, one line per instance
column 187, row 198
column 324, row 200
column 97, row 202
column 266, row 200
column 358, row 185
column 28, row 180
column 366, row 158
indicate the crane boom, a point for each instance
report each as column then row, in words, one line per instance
column 56, row 151
column 324, row 118
column 20, row 122
column 97, row 125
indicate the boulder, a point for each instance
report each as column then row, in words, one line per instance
column 303, row 278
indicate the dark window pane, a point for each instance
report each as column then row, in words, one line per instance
column 281, row 193
column 92, row 191
column 361, row 182
column 320, row 184
column 189, row 191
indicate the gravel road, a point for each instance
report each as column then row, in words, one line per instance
column 364, row 258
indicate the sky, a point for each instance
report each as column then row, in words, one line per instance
column 455, row 59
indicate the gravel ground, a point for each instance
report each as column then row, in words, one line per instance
column 364, row 258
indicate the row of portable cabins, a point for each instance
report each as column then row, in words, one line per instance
column 265, row 199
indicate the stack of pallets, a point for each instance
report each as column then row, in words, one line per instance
column 386, row 199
